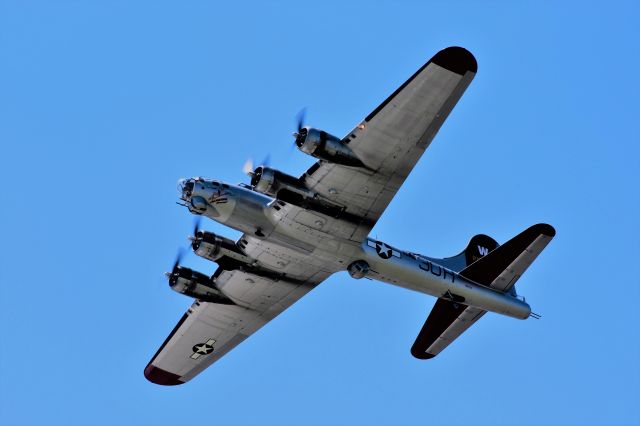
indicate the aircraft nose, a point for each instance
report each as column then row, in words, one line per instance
column 185, row 188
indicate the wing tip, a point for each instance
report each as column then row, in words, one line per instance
column 545, row 229
column 421, row 353
column 456, row 59
column 161, row 377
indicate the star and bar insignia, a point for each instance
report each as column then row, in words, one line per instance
column 202, row 349
column 383, row 250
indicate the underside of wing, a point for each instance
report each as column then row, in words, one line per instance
column 202, row 336
column 392, row 138
column 252, row 297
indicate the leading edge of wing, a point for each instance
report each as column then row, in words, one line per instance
column 157, row 375
column 455, row 59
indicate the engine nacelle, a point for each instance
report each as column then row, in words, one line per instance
column 270, row 181
column 324, row 146
column 197, row 285
column 291, row 190
column 213, row 247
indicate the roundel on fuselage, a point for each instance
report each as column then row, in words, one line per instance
column 383, row 250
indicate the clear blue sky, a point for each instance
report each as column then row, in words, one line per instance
column 105, row 104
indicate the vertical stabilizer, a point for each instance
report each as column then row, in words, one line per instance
column 479, row 246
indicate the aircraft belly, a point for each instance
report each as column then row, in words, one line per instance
column 316, row 233
column 249, row 217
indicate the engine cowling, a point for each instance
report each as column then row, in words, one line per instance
column 291, row 190
column 197, row 285
column 325, row 146
column 270, row 181
column 213, row 247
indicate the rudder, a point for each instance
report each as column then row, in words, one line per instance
column 479, row 246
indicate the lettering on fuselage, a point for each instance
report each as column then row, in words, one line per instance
column 437, row 270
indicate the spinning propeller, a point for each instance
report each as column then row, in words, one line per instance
column 181, row 250
column 248, row 168
column 196, row 225
column 179, row 257
column 300, row 119
column 300, row 132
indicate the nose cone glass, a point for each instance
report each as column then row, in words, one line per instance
column 185, row 187
column 181, row 183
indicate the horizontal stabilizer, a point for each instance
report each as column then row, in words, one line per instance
column 502, row 267
column 493, row 265
column 445, row 323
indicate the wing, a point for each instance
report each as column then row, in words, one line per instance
column 391, row 139
column 207, row 331
column 445, row 323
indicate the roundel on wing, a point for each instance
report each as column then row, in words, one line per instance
column 383, row 250
column 203, row 348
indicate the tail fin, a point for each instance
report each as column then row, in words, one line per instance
column 502, row 267
column 479, row 246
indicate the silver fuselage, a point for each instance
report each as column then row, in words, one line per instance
column 256, row 214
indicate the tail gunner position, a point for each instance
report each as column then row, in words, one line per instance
column 299, row 231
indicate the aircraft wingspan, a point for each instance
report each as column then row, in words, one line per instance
column 392, row 138
column 445, row 323
column 207, row 331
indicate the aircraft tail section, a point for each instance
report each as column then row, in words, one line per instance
column 485, row 263
column 502, row 267
column 479, row 246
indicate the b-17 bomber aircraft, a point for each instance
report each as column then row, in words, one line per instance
column 299, row 231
